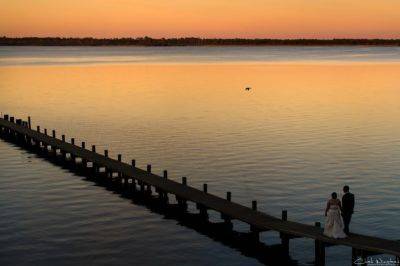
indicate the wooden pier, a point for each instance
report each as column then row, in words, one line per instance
column 130, row 177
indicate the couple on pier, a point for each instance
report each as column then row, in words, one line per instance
column 337, row 210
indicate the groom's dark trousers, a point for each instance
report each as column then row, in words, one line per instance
column 347, row 210
column 346, row 221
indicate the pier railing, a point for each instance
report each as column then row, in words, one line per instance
column 130, row 177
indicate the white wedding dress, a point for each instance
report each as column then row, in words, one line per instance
column 333, row 223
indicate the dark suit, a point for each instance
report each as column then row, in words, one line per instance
column 347, row 210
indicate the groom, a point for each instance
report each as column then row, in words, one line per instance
column 347, row 208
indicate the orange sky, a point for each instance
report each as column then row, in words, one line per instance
column 202, row 18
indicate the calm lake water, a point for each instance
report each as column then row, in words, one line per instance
column 316, row 118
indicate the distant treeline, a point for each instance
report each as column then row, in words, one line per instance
column 147, row 41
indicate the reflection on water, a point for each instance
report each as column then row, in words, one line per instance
column 302, row 132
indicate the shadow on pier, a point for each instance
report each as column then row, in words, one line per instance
column 246, row 243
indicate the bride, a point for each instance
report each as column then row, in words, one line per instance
column 333, row 223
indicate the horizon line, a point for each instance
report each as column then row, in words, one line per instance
column 194, row 37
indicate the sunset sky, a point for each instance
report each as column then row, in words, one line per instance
column 202, row 18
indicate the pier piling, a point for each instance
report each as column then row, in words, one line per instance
column 227, row 219
column 73, row 157
column 319, row 249
column 149, row 168
column 255, row 232
column 84, row 160
column 284, row 237
column 254, row 205
column 119, row 173
column 205, row 188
